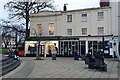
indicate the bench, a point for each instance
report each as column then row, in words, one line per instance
column 99, row 64
column 89, row 63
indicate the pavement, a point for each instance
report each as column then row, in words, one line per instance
column 63, row 67
column 0, row 56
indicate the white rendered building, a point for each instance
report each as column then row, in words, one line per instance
column 73, row 31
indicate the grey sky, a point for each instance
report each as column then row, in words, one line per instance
column 77, row 4
column 72, row 4
column 3, row 13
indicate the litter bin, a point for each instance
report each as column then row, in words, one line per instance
column 53, row 56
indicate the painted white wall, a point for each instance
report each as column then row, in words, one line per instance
column 114, row 17
column 119, row 20
column 61, row 24
column 52, row 18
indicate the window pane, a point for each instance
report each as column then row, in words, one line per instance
column 82, row 42
column 39, row 29
column 100, row 15
column 69, row 18
column 100, row 30
column 84, row 31
column 69, row 31
column 84, row 17
column 51, row 28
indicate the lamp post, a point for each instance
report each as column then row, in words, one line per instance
column 103, row 45
column 114, row 52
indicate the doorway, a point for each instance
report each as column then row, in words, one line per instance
column 42, row 50
column 69, row 47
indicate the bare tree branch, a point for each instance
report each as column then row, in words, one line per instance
column 21, row 9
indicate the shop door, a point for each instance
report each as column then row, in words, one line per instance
column 93, row 47
column 75, row 47
column 42, row 50
column 70, row 48
column 66, row 48
column 82, row 48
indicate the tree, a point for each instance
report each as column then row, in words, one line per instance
column 6, row 37
column 21, row 9
column 10, row 30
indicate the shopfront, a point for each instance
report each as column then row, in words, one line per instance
column 67, row 46
column 46, row 48
column 84, row 45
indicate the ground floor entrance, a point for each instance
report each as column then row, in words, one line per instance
column 67, row 47
column 46, row 48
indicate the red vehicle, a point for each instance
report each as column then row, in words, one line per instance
column 21, row 52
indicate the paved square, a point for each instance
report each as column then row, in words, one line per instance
column 63, row 67
column 69, row 68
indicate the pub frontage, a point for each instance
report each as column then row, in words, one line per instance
column 68, row 45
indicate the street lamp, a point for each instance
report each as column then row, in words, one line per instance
column 103, row 45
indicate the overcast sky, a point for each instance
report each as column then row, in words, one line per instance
column 77, row 4
column 72, row 4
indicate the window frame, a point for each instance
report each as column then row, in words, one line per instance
column 51, row 32
column 100, row 16
column 84, row 31
column 100, row 31
column 83, row 17
column 40, row 32
column 69, row 18
column 69, row 31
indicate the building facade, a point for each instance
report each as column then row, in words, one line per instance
column 78, row 31
column 92, row 21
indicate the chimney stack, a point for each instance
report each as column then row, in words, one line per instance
column 65, row 7
column 104, row 3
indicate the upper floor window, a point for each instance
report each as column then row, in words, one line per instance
column 51, row 28
column 69, row 18
column 69, row 31
column 100, row 16
column 84, row 17
column 100, row 30
column 84, row 31
column 39, row 26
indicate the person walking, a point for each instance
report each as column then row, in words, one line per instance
column 10, row 53
column 16, row 55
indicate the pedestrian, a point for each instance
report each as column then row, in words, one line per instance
column 89, row 55
column 16, row 52
column 10, row 53
column 16, row 55
column 56, row 49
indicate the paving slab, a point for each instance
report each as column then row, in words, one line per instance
column 64, row 68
